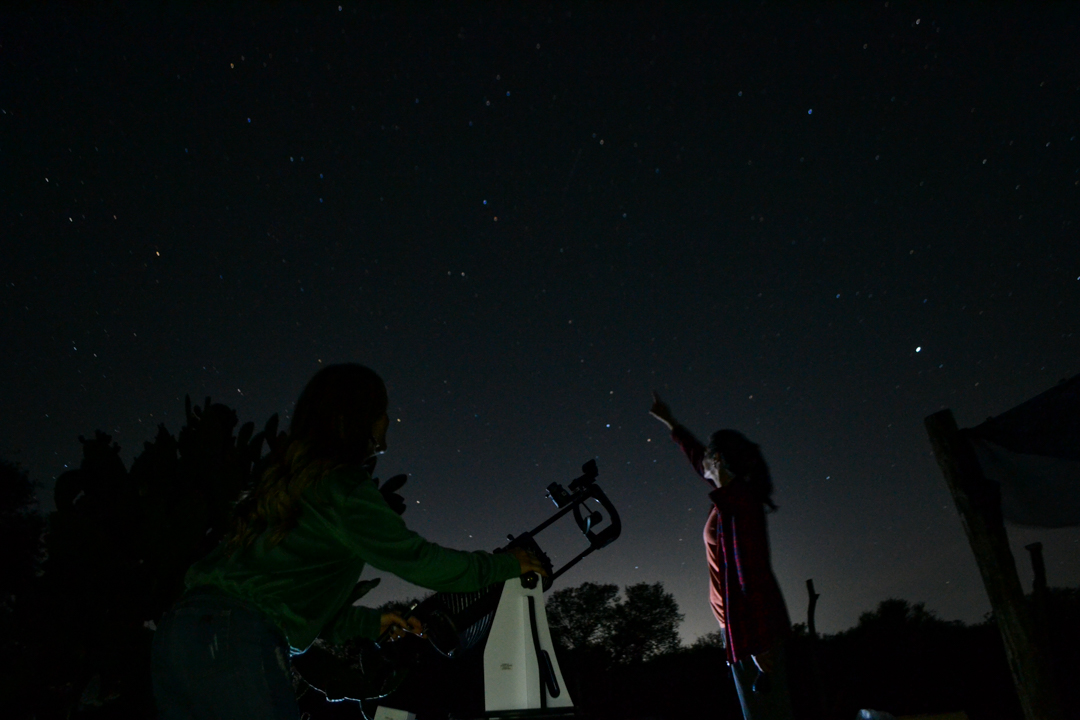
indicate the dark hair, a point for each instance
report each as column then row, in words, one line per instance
column 745, row 461
column 336, row 410
column 331, row 428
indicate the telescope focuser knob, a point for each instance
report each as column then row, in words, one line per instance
column 588, row 477
column 558, row 495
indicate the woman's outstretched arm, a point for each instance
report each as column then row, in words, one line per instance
column 662, row 412
column 691, row 446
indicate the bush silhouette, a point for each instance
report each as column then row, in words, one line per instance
column 118, row 546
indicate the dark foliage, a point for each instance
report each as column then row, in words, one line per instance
column 690, row 682
column 715, row 639
column 118, row 546
column 645, row 624
column 902, row 659
column 581, row 617
column 21, row 555
column 1063, row 639
column 621, row 656
column 593, row 620
column 21, row 528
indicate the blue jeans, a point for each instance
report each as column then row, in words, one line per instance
column 775, row 704
column 217, row 657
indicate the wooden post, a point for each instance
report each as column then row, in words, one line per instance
column 810, row 627
column 979, row 504
column 817, row 710
column 1038, row 594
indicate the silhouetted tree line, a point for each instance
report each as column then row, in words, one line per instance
column 899, row 658
column 621, row 659
column 82, row 601
column 21, row 528
column 82, row 590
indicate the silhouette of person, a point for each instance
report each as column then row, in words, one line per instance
column 285, row 571
column 743, row 591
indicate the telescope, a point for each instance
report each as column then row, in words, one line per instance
column 522, row 678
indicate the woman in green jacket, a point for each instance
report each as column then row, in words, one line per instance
column 284, row 574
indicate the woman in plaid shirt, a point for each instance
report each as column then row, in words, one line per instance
column 743, row 591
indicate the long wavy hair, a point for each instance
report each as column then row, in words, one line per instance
column 745, row 461
column 331, row 427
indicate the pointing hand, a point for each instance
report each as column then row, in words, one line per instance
column 661, row 411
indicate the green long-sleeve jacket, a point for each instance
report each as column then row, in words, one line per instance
column 304, row 582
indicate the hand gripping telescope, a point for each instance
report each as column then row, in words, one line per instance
column 458, row 621
column 521, row 673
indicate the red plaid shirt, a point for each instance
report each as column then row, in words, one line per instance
column 743, row 591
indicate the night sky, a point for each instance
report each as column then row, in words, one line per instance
column 815, row 224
